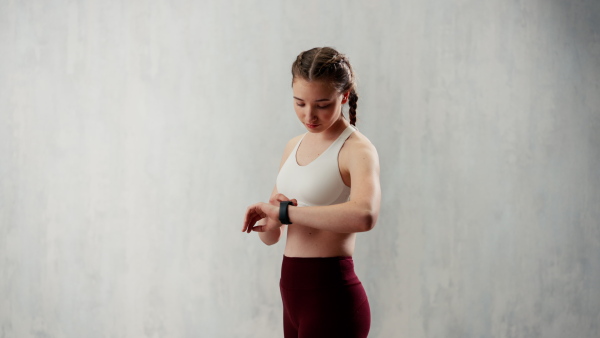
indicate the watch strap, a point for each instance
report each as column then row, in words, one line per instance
column 284, row 218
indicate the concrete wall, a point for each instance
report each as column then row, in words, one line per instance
column 133, row 134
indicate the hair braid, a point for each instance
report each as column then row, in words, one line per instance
column 352, row 99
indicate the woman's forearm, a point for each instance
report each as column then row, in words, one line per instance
column 346, row 217
column 272, row 236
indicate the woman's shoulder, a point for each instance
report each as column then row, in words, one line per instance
column 292, row 143
column 358, row 141
column 358, row 147
column 294, row 140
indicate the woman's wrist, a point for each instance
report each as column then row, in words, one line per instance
column 284, row 217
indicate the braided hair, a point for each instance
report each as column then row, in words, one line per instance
column 327, row 64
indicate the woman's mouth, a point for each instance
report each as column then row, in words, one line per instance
column 312, row 126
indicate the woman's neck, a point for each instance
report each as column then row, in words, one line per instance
column 334, row 131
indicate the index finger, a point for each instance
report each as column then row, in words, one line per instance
column 281, row 198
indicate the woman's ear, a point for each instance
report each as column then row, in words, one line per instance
column 345, row 97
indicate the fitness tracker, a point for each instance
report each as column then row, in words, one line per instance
column 284, row 218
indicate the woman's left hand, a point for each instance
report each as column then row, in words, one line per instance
column 258, row 211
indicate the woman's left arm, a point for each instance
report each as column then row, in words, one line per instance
column 359, row 214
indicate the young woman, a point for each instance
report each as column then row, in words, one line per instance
column 327, row 190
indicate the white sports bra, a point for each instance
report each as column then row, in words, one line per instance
column 320, row 181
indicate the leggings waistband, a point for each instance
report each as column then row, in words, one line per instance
column 317, row 272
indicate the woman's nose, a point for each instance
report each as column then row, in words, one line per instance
column 311, row 113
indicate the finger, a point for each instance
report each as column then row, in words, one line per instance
column 246, row 217
column 260, row 225
column 251, row 213
column 277, row 199
column 273, row 199
column 249, row 224
column 252, row 221
column 244, row 224
column 246, row 221
column 249, row 228
column 281, row 198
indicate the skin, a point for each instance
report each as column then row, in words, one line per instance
column 323, row 231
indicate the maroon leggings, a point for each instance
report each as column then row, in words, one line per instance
column 322, row 297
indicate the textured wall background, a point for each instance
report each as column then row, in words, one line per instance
column 134, row 134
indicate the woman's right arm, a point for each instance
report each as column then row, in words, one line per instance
column 273, row 236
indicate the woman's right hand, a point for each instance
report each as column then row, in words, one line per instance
column 278, row 198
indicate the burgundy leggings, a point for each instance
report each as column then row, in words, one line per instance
column 322, row 297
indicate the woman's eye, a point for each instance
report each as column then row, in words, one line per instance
column 320, row 107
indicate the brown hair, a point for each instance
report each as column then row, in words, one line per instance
column 327, row 64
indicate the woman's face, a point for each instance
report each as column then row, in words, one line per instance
column 318, row 105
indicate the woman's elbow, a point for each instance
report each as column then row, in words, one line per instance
column 369, row 220
column 270, row 242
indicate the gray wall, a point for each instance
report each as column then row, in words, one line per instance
column 133, row 135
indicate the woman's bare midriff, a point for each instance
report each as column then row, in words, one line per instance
column 303, row 241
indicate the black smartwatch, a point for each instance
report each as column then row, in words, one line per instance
column 284, row 218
